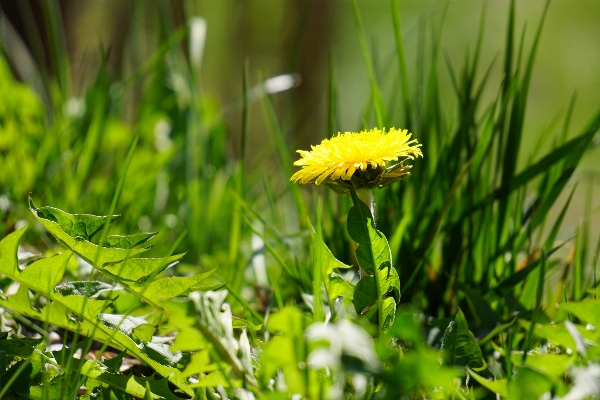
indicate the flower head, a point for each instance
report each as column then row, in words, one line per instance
column 358, row 160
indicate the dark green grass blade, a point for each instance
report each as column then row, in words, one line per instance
column 333, row 121
column 402, row 69
column 537, row 308
column 277, row 136
column 380, row 113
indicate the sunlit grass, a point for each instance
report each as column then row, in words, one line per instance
column 491, row 286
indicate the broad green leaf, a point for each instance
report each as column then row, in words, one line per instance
column 125, row 324
column 289, row 321
column 480, row 307
column 529, row 384
column 127, row 241
column 86, row 309
column 588, row 311
column 84, row 288
column 130, row 384
column 554, row 366
column 281, row 353
column 335, row 285
column 135, row 269
column 242, row 323
column 459, row 346
column 373, row 250
column 558, row 334
column 214, row 379
column 18, row 346
column 374, row 257
column 498, row 386
column 163, row 289
column 200, row 363
column 75, row 225
column 95, row 255
column 365, row 293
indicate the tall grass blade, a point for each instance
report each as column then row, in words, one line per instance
column 380, row 113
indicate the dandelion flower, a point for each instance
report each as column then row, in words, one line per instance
column 358, row 160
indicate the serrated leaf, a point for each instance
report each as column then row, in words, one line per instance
column 374, row 257
column 127, row 241
column 335, row 285
column 125, row 324
column 84, row 288
column 17, row 346
column 135, row 269
column 130, row 384
column 114, row 364
column 161, row 290
column 459, row 346
column 95, row 255
column 365, row 293
column 161, row 353
column 373, row 250
column 75, row 225
column 85, row 309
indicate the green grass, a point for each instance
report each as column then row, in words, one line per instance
column 493, row 284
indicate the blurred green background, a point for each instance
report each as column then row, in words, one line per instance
column 66, row 48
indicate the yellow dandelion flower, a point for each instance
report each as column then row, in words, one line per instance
column 358, row 160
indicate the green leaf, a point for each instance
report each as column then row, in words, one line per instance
column 87, row 310
column 135, row 269
column 84, row 288
column 551, row 365
column 529, row 384
column 374, row 257
column 557, row 334
column 75, row 225
column 365, row 293
column 242, row 323
column 130, row 384
column 459, row 346
column 498, row 386
column 18, row 346
column 128, row 241
column 335, row 285
column 373, row 250
column 588, row 311
column 95, row 255
column 163, row 289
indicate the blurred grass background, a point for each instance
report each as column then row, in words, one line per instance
column 283, row 37
column 116, row 68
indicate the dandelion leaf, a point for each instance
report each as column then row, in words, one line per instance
column 335, row 284
column 128, row 241
column 588, row 311
column 95, row 255
column 70, row 308
column 130, row 384
column 90, row 289
column 75, row 225
column 459, row 346
column 135, row 269
column 381, row 285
